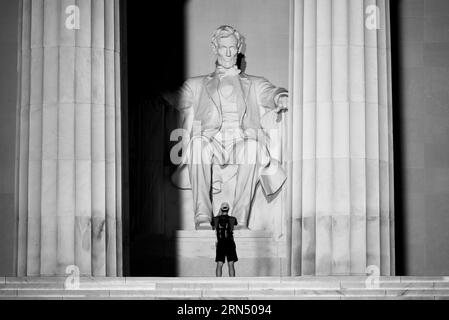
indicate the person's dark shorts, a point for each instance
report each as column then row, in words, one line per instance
column 226, row 249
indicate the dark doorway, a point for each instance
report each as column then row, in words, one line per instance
column 154, row 63
column 398, row 146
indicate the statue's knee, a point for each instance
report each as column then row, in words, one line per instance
column 199, row 141
column 201, row 149
column 252, row 145
column 247, row 152
column 247, row 145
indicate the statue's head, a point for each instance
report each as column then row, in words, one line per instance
column 227, row 43
column 224, row 208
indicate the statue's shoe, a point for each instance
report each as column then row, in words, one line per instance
column 202, row 222
column 203, row 226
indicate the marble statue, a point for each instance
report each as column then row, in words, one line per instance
column 221, row 114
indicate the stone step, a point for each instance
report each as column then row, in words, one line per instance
column 210, row 234
column 320, row 287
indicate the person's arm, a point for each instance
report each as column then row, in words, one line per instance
column 233, row 223
column 212, row 223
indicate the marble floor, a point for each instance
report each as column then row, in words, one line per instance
column 286, row 288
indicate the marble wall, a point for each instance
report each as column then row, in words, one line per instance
column 423, row 111
column 8, row 95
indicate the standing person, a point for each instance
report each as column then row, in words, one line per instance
column 224, row 224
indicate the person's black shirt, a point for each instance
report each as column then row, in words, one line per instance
column 224, row 224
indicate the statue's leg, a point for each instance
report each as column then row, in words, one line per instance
column 247, row 177
column 200, row 169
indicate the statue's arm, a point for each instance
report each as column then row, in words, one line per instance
column 182, row 100
column 270, row 96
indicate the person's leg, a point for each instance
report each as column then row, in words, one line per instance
column 219, row 270
column 231, row 254
column 220, row 257
column 231, row 268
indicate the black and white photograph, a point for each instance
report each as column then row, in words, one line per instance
column 245, row 151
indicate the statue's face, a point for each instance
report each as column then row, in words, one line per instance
column 227, row 52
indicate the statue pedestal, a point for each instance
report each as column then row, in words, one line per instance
column 259, row 253
column 180, row 250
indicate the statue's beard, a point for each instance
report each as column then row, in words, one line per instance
column 227, row 63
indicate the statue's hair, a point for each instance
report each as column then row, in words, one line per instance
column 224, row 32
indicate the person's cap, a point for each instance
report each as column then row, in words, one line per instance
column 224, row 207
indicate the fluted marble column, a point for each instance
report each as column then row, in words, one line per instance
column 340, row 198
column 69, row 203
